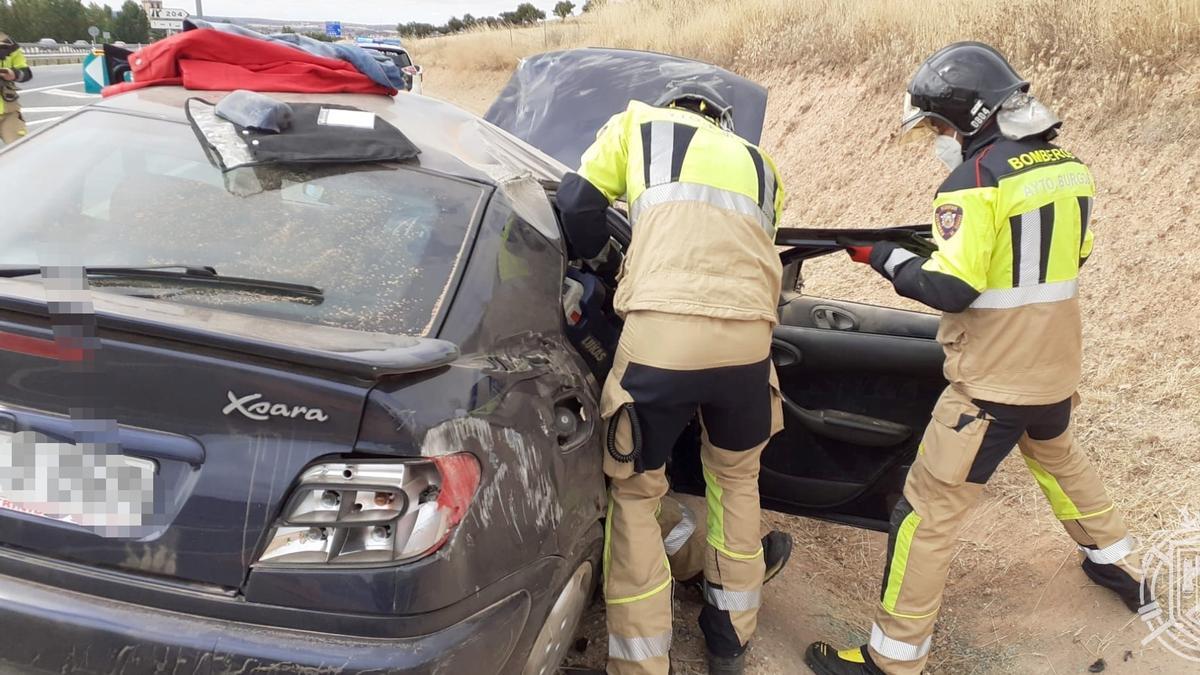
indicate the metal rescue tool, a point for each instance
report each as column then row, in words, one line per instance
column 811, row 242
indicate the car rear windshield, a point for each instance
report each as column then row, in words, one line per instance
column 108, row 189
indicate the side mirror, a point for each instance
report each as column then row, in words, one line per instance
column 415, row 74
column 116, row 62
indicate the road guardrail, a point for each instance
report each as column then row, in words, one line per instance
column 42, row 54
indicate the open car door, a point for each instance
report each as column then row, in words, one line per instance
column 859, row 383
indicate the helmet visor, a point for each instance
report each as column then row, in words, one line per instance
column 915, row 124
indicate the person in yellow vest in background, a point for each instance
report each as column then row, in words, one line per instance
column 699, row 292
column 1011, row 227
column 13, row 69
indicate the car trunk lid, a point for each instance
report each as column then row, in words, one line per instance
column 557, row 101
column 221, row 412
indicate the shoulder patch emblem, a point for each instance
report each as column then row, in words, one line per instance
column 949, row 219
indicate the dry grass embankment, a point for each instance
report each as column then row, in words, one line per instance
column 1125, row 77
column 1111, row 52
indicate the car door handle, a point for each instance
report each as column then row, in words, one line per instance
column 833, row 318
column 785, row 354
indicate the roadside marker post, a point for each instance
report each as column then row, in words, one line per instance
column 95, row 75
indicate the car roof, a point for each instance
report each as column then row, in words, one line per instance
column 452, row 141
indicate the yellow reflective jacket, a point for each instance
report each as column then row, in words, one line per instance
column 703, row 204
column 1011, row 225
column 16, row 62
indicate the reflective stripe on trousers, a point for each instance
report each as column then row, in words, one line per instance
column 638, row 648
column 895, row 649
column 697, row 192
column 733, row 601
column 682, row 531
column 1111, row 554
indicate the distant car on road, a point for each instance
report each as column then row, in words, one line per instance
column 81, row 43
column 47, row 42
column 413, row 74
column 120, row 43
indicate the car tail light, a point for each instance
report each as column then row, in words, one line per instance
column 373, row 511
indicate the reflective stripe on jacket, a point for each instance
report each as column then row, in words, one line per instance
column 1011, row 224
column 704, row 205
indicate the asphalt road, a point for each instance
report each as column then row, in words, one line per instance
column 53, row 92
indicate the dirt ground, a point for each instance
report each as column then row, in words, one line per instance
column 1017, row 601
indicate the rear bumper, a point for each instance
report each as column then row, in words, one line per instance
column 47, row 629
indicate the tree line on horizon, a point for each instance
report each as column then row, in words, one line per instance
column 68, row 20
column 526, row 14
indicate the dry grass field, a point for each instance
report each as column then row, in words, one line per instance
column 1125, row 77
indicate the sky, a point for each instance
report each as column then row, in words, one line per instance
column 360, row 11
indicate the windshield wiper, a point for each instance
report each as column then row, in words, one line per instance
column 197, row 274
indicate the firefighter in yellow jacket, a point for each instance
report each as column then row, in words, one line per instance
column 698, row 291
column 1011, row 227
column 13, row 69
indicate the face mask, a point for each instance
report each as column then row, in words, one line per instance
column 949, row 150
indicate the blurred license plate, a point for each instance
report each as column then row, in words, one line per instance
column 87, row 484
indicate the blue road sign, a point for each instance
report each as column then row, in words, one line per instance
column 95, row 75
column 333, row 29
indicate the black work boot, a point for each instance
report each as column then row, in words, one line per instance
column 777, row 548
column 825, row 660
column 726, row 665
column 1132, row 592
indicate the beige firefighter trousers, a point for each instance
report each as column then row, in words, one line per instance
column 963, row 445
column 669, row 367
column 12, row 126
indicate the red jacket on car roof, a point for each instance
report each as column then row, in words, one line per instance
column 213, row 60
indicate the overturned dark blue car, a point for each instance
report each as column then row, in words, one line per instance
column 293, row 408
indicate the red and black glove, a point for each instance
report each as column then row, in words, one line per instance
column 875, row 255
column 860, row 254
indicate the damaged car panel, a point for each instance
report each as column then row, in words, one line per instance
column 558, row 101
column 403, row 475
column 399, row 468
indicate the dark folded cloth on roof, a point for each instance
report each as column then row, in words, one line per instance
column 255, row 111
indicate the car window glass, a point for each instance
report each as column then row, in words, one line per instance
column 382, row 241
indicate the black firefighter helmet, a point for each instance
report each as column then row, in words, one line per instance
column 963, row 85
column 7, row 46
column 700, row 97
